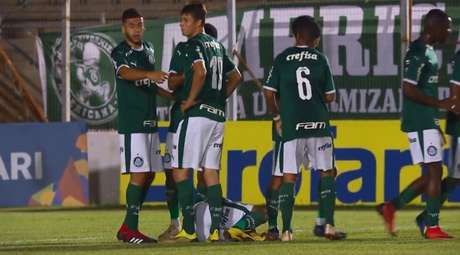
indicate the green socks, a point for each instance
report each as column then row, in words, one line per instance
column 272, row 208
column 185, row 195
column 172, row 200
column 200, row 193
column 404, row 198
column 250, row 221
column 433, row 204
column 327, row 198
column 286, row 201
column 134, row 197
column 214, row 195
column 447, row 186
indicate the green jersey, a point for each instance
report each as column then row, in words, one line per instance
column 453, row 121
column 177, row 65
column 420, row 70
column 212, row 96
column 136, row 99
column 301, row 76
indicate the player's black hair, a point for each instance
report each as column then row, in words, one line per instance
column 129, row 14
column 305, row 26
column 196, row 10
column 434, row 17
column 211, row 30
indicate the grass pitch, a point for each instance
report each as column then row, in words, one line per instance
column 92, row 231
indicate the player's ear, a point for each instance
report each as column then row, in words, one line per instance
column 123, row 28
column 317, row 40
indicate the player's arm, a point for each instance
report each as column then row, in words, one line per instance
column 199, row 76
column 329, row 85
column 175, row 80
column 455, row 84
column 234, row 79
column 413, row 65
column 164, row 93
column 134, row 74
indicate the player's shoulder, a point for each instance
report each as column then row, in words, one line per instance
column 120, row 48
column 417, row 49
column 147, row 45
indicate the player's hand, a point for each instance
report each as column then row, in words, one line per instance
column 158, row 76
column 187, row 105
column 278, row 127
column 451, row 104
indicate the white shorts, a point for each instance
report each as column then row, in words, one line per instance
column 167, row 158
column 231, row 214
column 276, row 151
column 198, row 144
column 314, row 152
column 140, row 153
column 454, row 157
column 425, row 146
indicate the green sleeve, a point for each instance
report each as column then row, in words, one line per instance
column 455, row 77
column 177, row 61
column 329, row 86
column 195, row 52
column 413, row 65
column 273, row 80
column 119, row 60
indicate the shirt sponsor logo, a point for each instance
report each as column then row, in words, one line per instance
column 144, row 82
column 325, row 146
column 150, row 123
column 93, row 88
column 301, row 56
column 212, row 110
column 310, row 125
column 212, row 44
column 433, row 79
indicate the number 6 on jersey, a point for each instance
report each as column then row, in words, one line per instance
column 303, row 84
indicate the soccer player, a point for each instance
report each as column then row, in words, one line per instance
column 137, row 121
column 175, row 83
column 199, row 136
column 420, row 122
column 239, row 221
column 453, row 130
column 302, row 79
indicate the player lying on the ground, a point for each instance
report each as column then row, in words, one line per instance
column 239, row 221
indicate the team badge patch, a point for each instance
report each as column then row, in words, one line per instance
column 167, row 158
column 432, row 151
column 138, row 161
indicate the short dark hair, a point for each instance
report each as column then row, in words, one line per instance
column 211, row 30
column 434, row 16
column 196, row 10
column 306, row 26
column 129, row 14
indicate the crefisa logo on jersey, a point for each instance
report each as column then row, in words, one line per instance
column 93, row 87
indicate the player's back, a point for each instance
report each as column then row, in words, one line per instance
column 211, row 52
column 303, row 77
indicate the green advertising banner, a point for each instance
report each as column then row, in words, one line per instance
column 360, row 38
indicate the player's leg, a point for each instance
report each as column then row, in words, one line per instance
column 200, row 187
column 245, row 228
column 186, row 154
column 272, row 202
column 432, row 148
column 212, row 152
column 290, row 155
column 320, row 151
column 172, row 200
column 388, row 209
column 140, row 163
